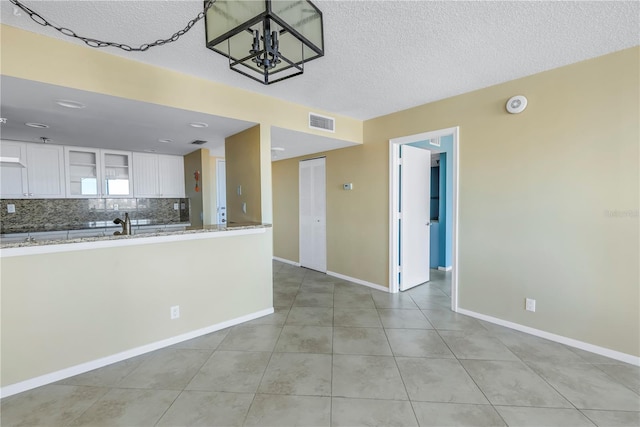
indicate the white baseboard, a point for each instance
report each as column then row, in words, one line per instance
column 445, row 268
column 613, row 354
column 358, row 281
column 286, row 261
column 108, row 360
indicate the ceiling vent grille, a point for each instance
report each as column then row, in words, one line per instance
column 199, row 142
column 327, row 124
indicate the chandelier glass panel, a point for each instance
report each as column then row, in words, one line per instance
column 266, row 40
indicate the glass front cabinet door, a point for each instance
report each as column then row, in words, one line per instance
column 83, row 172
column 98, row 173
column 116, row 166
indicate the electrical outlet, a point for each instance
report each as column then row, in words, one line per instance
column 176, row 206
column 175, row 312
column 530, row 304
column 11, row 208
column 115, row 207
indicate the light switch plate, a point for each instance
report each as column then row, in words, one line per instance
column 11, row 208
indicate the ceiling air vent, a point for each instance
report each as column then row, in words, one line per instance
column 199, row 142
column 324, row 123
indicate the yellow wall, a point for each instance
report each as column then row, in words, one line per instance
column 60, row 310
column 23, row 54
column 534, row 192
column 193, row 163
column 242, row 156
column 286, row 217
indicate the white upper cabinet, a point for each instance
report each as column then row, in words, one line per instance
column 145, row 175
column 158, row 175
column 171, row 174
column 43, row 174
column 45, row 171
column 56, row 171
column 13, row 179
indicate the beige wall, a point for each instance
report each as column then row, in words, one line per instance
column 63, row 309
column 243, row 166
column 534, row 192
column 286, row 218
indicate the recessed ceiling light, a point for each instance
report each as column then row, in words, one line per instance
column 166, row 141
column 70, row 104
column 150, row 151
column 37, row 125
column 277, row 148
column 198, row 125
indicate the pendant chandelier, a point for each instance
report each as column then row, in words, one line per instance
column 265, row 40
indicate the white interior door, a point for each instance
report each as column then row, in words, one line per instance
column 313, row 229
column 221, row 191
column 415, row 197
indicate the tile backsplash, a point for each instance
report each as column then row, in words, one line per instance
column 33, row 215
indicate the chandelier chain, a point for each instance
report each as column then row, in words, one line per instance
column 39, row 19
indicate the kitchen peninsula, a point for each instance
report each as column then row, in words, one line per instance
column 75, row 305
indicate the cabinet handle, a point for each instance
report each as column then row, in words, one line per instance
column 25, row 194
column 30, row 194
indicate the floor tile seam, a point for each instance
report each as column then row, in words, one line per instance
column 331, row 375
column 70, row 422
column 468, row 373
column 291, row 394
column 607, row 410
column 612, row 378
column 197, row 371
column 395, row 362
column 548, row 383
column 520, row 405
column 454, row 403
column 588, row 417
column 338, row 396
column 169, row 407
column 203, row 391
column 244, row 419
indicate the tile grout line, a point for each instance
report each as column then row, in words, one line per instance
column 395, row 361
column 244, row 420
column 465, row 369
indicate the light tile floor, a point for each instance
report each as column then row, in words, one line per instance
column 335, row 353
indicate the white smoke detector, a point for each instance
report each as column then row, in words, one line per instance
column 516, row 104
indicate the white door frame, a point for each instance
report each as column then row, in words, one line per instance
column 394, row 145
column 218, row 192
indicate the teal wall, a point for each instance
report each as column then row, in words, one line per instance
column 444, row 231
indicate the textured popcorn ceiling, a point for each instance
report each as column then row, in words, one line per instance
column 381, row 56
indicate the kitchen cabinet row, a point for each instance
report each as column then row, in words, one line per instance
column 56, row 171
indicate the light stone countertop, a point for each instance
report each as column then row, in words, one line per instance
column 189, row 230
